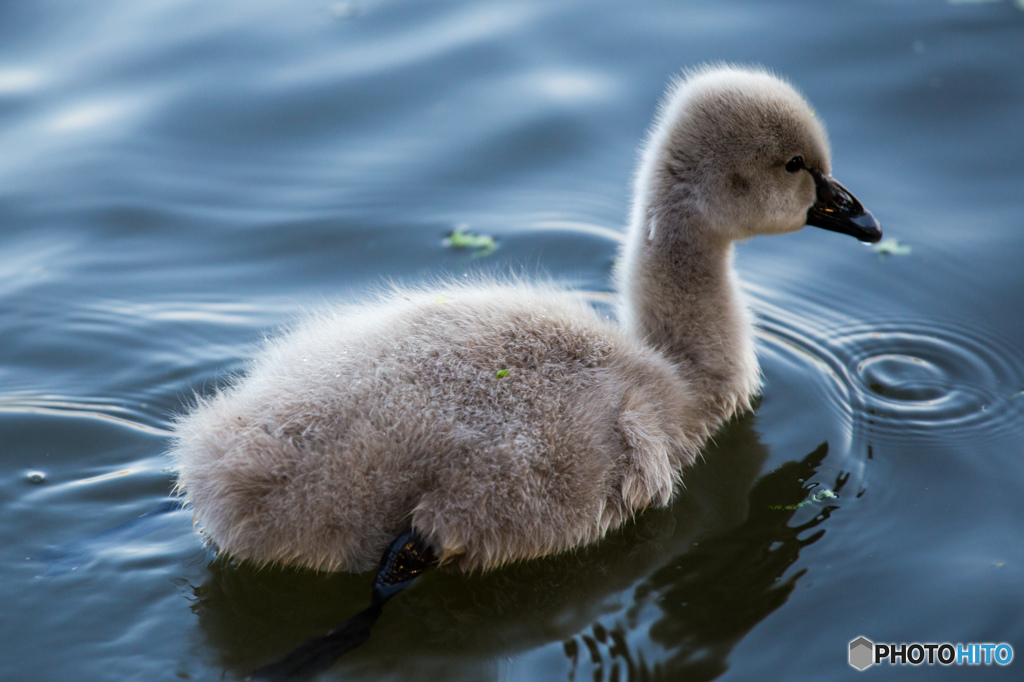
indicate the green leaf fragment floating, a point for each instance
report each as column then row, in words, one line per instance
column 502, row 373
column 822, row 494
column 460, row 239
column 892, row 247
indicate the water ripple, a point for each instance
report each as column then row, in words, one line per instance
column 58, row 406
column 932, row 377
column 928, row 378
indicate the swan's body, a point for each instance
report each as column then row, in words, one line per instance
column 368, row 419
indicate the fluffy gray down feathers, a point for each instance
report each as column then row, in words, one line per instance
column 368, row 419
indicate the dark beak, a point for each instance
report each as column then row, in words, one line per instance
column 838, row 210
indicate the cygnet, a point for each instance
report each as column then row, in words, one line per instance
column 498, row 421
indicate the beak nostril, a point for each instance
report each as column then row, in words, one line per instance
column 844, row 200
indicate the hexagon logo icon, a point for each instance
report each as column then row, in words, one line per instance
column 862, row 653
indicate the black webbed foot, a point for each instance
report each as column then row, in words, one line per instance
column 404, row 560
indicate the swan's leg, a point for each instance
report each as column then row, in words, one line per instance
column 404, row 560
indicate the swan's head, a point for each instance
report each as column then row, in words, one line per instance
column 741, row 153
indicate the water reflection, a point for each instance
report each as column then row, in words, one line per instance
column 708, row 597
column 712, row 565
column 19, row 81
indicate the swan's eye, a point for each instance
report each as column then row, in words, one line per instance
column 795, row 164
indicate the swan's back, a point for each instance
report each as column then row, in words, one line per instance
column 369, row 418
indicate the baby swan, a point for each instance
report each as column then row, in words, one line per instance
column 506, row 421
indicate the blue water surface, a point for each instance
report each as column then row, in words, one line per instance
column 180, row 179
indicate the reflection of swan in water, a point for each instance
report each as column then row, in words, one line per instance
column 711, row 596
column 483, row 424
column 456, row 626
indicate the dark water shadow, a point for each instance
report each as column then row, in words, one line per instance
column 710, row 596
column 718, row 551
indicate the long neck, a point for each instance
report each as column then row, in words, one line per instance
column 678, row 292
